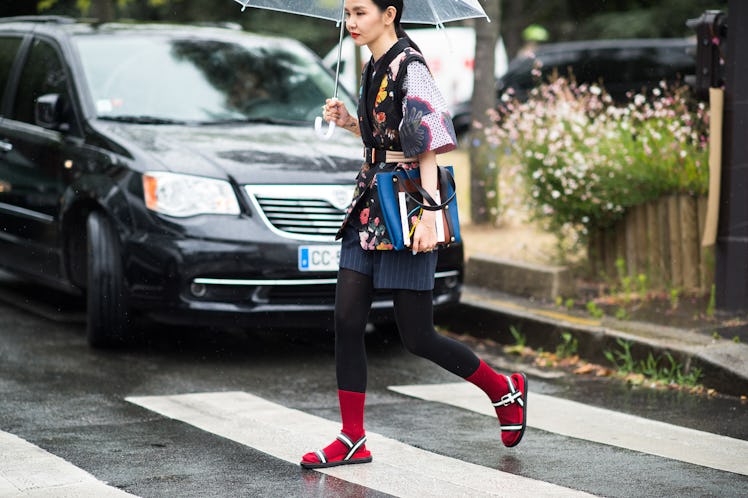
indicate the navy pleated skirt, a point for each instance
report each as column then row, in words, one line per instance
column 388, row 269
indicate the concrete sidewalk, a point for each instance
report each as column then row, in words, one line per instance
column 518, row 291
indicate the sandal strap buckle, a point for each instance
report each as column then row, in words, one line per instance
column 509, row 398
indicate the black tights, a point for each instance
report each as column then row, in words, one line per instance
column 414, row 317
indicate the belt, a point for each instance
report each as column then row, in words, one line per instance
column 373, row 156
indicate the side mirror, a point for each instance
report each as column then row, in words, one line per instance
column 49, row 112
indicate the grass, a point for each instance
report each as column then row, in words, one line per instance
column 664, row 370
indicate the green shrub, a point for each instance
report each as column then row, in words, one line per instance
column 584, row 160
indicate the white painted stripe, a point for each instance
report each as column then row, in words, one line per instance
column 398, row 469
column 27, row 470
column 599, row 425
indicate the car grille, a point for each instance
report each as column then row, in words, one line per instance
column 304, row 212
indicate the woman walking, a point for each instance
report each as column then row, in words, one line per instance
column 403, row 122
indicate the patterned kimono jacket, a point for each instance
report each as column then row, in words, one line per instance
column 400, row 109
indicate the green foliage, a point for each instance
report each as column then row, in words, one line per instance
column 622, row 359
column 584, row 20
column 674, row 296
column 568, row 347
column 569, row 304
column 622, row 314
column 594, row 310
column 652, row 368
column 585, row 161
column 320, row 35
column 643, row 284
column 644, row 19
column 519, row 338
column 649, row 367
column 673, row 374
column 712, row 304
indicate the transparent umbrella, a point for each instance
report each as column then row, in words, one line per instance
column 434, row 12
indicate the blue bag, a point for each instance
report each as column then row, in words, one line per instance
column 402, row 200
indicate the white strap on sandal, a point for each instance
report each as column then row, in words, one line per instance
column 513, row 396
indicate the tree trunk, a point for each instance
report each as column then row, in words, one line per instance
column 103, row 10
column 513, row 22
column 484, row 197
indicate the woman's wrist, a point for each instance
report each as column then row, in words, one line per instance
column 428, row 218
column 352, row 125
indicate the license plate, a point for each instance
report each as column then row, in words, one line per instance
column 319, row 258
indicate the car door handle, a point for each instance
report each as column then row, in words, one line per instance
column 5, row 146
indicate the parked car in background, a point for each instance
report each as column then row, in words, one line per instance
column 173, row 172
column 620, row 66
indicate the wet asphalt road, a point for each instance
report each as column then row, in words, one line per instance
column 59, row 394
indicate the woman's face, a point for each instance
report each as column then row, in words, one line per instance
column 364, row 21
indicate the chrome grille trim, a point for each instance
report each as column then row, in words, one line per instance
column 315, row 281
column 301, row 212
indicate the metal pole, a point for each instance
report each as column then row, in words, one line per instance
column 732, row 242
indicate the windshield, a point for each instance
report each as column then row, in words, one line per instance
column 164, row 79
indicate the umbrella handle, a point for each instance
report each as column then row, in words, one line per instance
column 318, row 128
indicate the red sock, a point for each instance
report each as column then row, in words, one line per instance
column 352, row 414
column 512, row 415
column 493, row 384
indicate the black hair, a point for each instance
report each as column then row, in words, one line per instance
column 399, row 31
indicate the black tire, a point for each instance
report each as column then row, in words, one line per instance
column 107, row 307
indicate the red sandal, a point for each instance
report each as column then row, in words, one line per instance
column 512, row 410
column 357, row 453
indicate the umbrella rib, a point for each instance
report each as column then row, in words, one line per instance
column 340, row 49
column 247, row 3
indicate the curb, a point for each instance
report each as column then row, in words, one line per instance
column 518, row 278
column 490, row 314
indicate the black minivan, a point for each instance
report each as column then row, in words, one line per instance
column 172, row 172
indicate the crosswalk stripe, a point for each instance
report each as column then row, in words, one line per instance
column 27, row 470
column 599, row 425
column 397, row 469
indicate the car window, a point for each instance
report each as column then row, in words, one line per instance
column 204, row 80
column 8, row 48
column 43, row 73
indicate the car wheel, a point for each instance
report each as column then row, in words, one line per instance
column 107, row 309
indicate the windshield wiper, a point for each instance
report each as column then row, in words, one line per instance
column 143, row 119
column 262, row 120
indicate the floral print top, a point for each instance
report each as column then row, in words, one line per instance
column 405, row 112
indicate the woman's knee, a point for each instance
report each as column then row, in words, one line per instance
column 420, row 345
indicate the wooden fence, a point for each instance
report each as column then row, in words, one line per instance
column 662, row 240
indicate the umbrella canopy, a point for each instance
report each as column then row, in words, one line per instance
column 435, row 12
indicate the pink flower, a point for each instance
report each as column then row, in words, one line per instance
column 376, row 221
column 364, row 217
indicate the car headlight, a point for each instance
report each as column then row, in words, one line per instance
column 179, row 195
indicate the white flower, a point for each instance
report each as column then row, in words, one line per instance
column 555, row 194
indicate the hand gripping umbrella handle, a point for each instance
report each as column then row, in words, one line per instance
column 318, row 128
